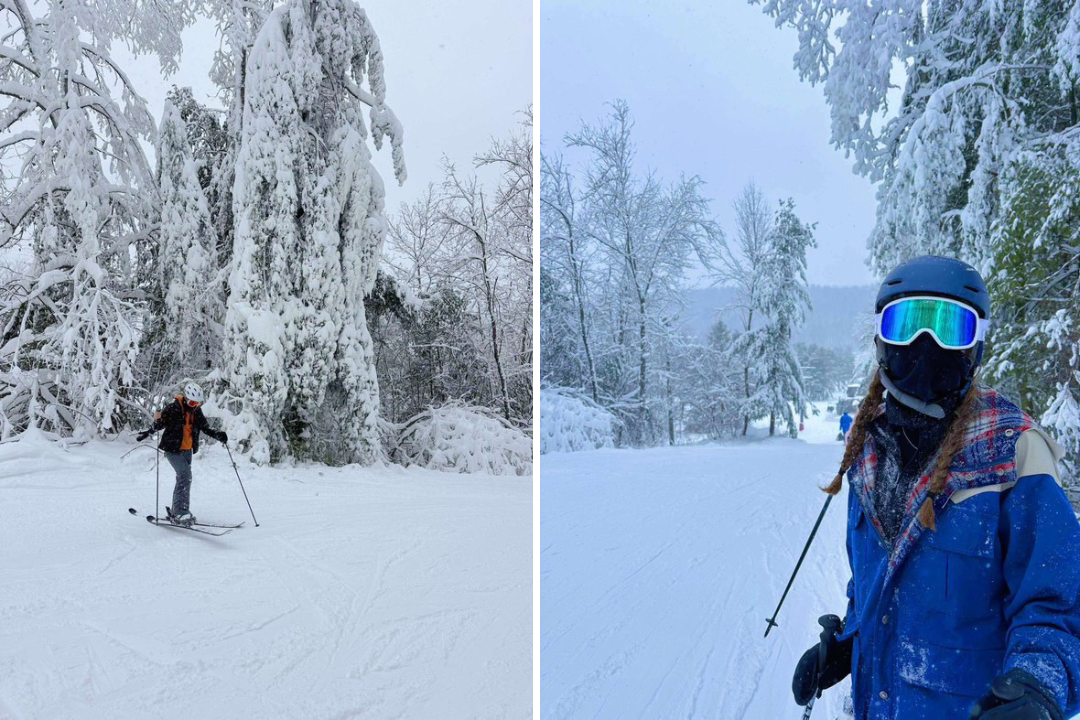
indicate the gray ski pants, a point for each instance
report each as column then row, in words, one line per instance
column 181, row 463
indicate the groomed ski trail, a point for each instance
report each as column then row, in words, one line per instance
column 366, row 592
column 658, row 568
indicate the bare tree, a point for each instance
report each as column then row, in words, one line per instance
column 454, row 304
column 742, row 265
column 466, row 212
column 417, row 243
column 564, row 243
column 512, row 156
column 650, row 233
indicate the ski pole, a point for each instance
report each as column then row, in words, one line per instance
column 157, row 481
column 830, row 626
column 241, row 484
column 772, row 621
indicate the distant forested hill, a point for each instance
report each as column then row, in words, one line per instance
column 838, row 317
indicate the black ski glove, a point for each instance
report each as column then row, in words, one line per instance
column 1017, row 695
column 223, row 437
column 143, row 435
column 823, row 665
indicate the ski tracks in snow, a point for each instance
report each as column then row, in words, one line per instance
column 660, row 566
column 374, row 592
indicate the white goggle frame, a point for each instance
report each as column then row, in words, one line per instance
column 981, row 325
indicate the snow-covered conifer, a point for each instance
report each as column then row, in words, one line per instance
column 238, row 23
column 710, row 386
column 309, row 233
column 978, row 160
column 743, row 265
column 786, row 299
column 189, row 278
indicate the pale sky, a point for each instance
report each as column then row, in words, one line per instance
column 457, row 74
column 713, row 92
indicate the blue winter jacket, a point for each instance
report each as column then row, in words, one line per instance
column 995, row 586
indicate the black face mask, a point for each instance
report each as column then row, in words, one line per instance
column 926, row 371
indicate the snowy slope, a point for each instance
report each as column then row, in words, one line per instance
column 365, row 592
column 658, row 568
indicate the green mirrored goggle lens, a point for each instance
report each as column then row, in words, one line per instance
column 954, row 326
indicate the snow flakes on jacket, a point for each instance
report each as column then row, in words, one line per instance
column 997, row 585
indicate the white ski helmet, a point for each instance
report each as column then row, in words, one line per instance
column 192, row 391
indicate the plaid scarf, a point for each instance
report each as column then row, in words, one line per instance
column 988, row 458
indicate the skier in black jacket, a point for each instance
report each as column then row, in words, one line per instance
column 182, row 422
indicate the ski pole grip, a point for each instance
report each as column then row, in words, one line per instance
column 830, row 624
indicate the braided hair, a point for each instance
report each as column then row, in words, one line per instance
column 857, row 434
column 951, row 444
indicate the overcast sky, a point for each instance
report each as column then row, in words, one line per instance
column 713, row 93
column 457, row 74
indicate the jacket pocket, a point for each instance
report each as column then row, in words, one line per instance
column 949, row 670
column 964, row 559
column 964, row 531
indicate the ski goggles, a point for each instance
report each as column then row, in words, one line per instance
column 954, row 325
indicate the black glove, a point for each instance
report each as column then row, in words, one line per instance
column 1017, row 695
column 823, row 665
column 143, row 435
column 223, row 437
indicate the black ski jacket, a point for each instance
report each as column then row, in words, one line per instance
column 172, row 419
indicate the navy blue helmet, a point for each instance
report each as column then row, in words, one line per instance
column 934, row 275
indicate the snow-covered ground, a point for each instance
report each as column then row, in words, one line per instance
column 658, row 568
column 383, row 593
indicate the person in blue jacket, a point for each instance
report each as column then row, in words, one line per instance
column 964, row 599
column 845, row 424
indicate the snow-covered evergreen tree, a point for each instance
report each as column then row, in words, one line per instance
column 743, row 265
column 309, row 233
column 979, row 160
column 710, row 386
column 185, row 328
column 766, row 266
column 238, row 23
column 786, row 298
column 827, row 370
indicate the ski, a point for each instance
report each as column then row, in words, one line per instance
column 164, row 522
column 215, row 525
column 169, row 514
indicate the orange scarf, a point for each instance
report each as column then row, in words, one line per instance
column 189, row 421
